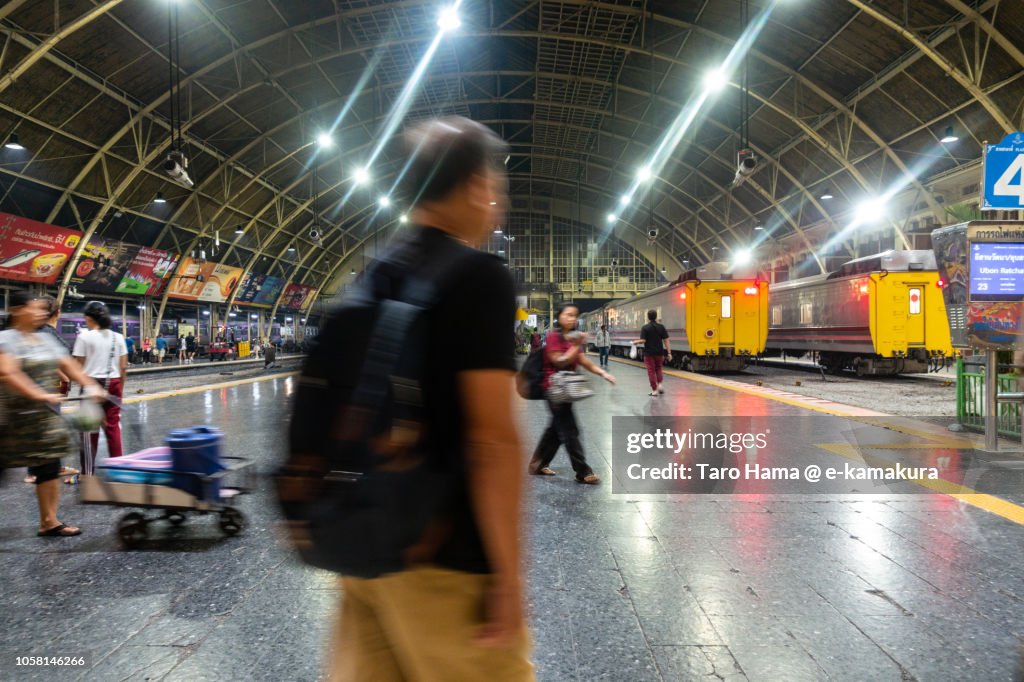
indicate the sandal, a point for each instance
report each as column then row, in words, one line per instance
column 535, row 469
column 69, row 471
column 61, row 531
column 589, row 479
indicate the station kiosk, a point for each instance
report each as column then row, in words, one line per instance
column 981, row 264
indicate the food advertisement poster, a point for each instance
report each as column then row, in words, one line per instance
column 148, row 272
column 260, row 290
column 31, row 251
column 206, row 281
column 296, row 296
column 102, row 264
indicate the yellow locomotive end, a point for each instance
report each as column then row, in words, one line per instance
column 909, row 314
column 727, row 317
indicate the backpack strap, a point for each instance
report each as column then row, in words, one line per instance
column 418, row 292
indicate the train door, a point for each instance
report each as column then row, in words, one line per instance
column 915, row 314
column 727, row 319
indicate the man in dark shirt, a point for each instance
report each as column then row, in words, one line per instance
column 654, row 336
column 457, row 613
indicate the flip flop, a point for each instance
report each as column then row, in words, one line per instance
column 59, row 532
column 544, row 471
column 589, row 479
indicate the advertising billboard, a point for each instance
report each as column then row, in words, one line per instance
column 206, row 281
column 148, row 272
column 102, row 264
column 260, row 290
column 296, row 296
column 31, row 251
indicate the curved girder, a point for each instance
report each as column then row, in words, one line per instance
column 959, row 76
column 616, row 46
column 50, row 42
column 289, row 31
column 985, row 25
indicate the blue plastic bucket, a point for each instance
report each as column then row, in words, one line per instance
column 196, row 450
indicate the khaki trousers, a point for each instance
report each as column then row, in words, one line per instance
column 418, row 625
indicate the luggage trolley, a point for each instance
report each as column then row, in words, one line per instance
column 144, row 481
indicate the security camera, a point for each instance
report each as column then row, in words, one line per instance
column 314, row 233
column 652, row 233
column 176, row 166
column 746, row 162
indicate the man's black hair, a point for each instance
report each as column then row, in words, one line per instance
column 445, row 153
column 652, row 315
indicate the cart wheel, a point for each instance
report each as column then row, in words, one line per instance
column 231, row 521
column 132, row 529
column 176, row 518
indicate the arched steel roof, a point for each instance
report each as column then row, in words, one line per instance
column 849, row 94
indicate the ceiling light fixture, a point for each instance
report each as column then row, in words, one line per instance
column 13, row 143
column 827, row 194
column 949, row 137
column 325, row 140
column 159, row 198
column 449, row 20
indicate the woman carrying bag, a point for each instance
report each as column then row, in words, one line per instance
column 103, row 355
column 32, row 433
column 563, row 352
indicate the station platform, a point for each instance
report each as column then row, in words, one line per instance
column 763, row 580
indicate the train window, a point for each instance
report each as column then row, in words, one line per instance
column 726, row 307
column 806, row 313
column 776, row 315
column 915, row 301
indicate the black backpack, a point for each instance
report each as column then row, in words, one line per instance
column 360, row 490
column 530, row 377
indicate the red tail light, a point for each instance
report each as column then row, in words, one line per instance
column 940, row 283
column 863, row 288
column 750, row 291
column 682, row 295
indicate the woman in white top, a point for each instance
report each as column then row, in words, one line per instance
column 104, row 357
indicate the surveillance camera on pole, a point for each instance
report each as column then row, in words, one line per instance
column 176, row 166
column 652, row 235
column 746, row 162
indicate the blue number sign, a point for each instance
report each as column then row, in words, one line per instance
column 1004, row 174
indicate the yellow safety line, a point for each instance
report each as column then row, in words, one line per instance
column 206, row 387
column 862, row 415
column 990, row 503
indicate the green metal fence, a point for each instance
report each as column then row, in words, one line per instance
column 970, row 398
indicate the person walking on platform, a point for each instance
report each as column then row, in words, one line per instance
column 147, row 351
column 31, row 431
column 269, row 355
column 654, row 336
column 130, row 345
column 161, row 349
column 103, row 355
column 602, row 341
column 190, row 348
column 455, row 614
column 563, row 352
column 181, row 350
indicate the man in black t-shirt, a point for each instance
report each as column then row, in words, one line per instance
column 457, row 612
column 654, row 336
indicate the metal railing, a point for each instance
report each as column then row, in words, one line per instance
column 970, row 398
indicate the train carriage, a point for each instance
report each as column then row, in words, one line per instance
column 882, row 314
column 716, row 316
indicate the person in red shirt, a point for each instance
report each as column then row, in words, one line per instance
column 564, row 351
